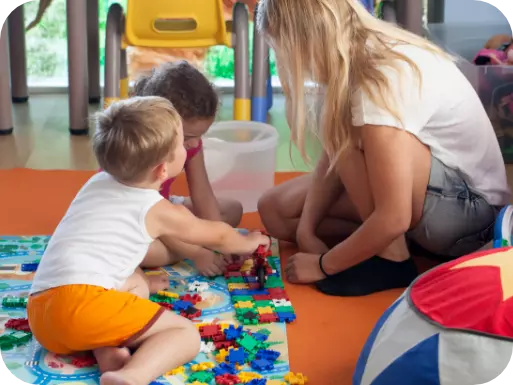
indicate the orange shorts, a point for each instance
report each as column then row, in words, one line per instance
column 78, row 318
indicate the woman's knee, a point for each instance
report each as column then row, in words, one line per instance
column 231, row 211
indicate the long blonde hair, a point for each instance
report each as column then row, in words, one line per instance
column 341, row 46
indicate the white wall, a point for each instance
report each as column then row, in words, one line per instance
column 468, row 11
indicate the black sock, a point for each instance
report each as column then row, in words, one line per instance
column 371, row 276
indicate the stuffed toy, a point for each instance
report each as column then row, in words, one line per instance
column 497, row 51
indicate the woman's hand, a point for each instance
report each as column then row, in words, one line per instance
column 304, row 268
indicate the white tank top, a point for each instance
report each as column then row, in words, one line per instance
column 102, row 238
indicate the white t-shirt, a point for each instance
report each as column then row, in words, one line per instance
column 446, row 115
column 102, row 238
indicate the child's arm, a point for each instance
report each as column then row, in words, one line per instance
column 202, row 196
column 175, row 220
column 323, row 191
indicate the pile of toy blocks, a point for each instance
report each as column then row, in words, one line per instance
column 20, row 335
column 236, row 351
column 255, row 304
column 181, row 304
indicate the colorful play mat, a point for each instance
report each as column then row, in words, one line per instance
column 26, row 359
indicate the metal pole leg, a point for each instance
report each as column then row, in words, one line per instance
column 19, row 89
column 111, row 92
column 6, row 123
column 259, row 78
column 409, row 15
column 269, row 82
column 242, row 102
column 93, row 51
column 77, row 66
column 123, row 77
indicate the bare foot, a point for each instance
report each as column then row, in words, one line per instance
column 111, row 359
column 157, row 283
column 114, row 378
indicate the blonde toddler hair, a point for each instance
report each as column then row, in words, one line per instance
column 339, row 45
column 134, row 135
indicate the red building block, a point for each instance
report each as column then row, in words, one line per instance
column 209, row 331
column 20, row 324
column 194, row 299
column 262, row 297
column 278, row 293
column 168, row 306
column 267, row 318
column 223, row 344
column 83, row 362
column 227, row 379
column 233, row 274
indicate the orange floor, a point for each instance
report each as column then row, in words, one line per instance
column 325, row 340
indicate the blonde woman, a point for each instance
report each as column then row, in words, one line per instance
column 409, row 153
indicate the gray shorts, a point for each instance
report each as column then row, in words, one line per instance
column 456, row 220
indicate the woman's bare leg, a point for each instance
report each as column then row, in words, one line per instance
column 231, row 210
column 171, row 342
column 280, row 209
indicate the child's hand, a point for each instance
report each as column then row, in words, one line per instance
column 209, row 264
column 258, row 239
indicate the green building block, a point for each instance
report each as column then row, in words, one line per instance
column 284, row 309
column 264, row 303
column 249, row 343
column 274, row 282
column 14, row 302
column 242, row 298
column 204, row 377
column 236, row 280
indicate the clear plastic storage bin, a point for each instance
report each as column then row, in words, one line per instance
column 241, row 160
column 494, row 84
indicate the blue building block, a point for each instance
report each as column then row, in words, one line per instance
column 262, row 365
column 257, row 381
column 232, row 333
column 29, row 266
column 269, row 355
column 181, row 305
column 224, row 368
column 236, row 356
column 286, row 317
column 260, row 336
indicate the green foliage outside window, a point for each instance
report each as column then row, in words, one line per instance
column 47, row 45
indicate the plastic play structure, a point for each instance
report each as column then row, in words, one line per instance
column 191, row 24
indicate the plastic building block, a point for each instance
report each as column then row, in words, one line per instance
column 14, row 302
column 197, row 383
column 20, row 324
column 227, row 379
column 267, row 318
column 207, row 347
column 244, row 304
column 236, row 356
column 232, row 332
column 174, row 372
column 242, row 298
column 83, row 362
column 202, row 366
column 281, row 302
column 205, row 377
column 194, row 299
column 198, row 286
column 191, row 313
column 275, row 382
column 29, row 267
column 246, row 377
column 265, row 310
column 284, row 309
column 264, row 303
column 224, row 368
column 257, row 381
column 296, row 378
column 181, row 305
column 168, row 294
column 270, row 355
column 262, row 297
column 9, row 341
column 262, row 365
column 248, row 343
column 223, row 344
column 222, row 355
column 208, row 331
column 286, row 317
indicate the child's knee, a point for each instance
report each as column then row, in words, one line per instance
column 231, row 211
column 267, row 205
column 193, row 348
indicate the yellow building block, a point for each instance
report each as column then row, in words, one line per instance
column 202, row 366
column 168, row 294
column 275, row 382
column 244, row 304
column 221, row 356
column 265, row 310
column 238, row 286
column 198, row 383
column 174, row 372
column 296, row 378
column 245, row 377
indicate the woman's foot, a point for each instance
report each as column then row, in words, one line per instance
column 371, row 276
column 111, row 359
column 157, row 283
column 114, row 378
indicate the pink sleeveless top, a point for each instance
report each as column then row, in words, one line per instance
column 165, row 189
